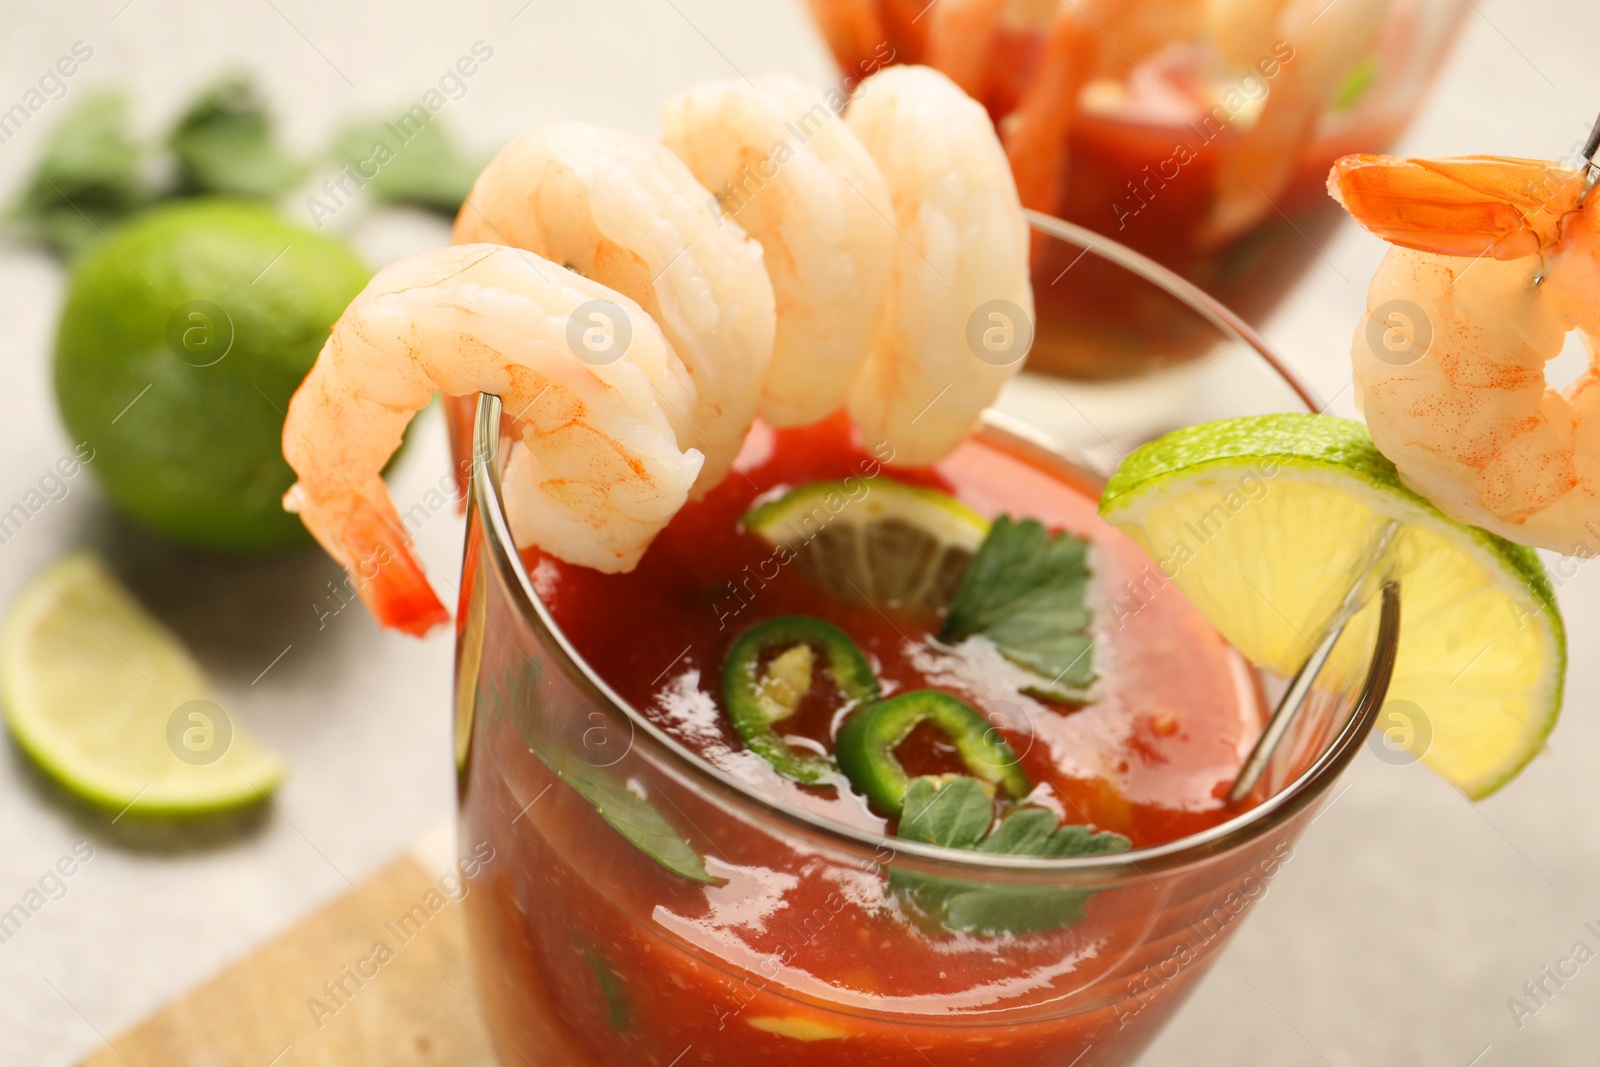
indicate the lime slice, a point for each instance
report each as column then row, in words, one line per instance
column 108, row 702
column 1266, row 522
column 899, row 546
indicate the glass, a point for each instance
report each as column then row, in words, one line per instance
column 1133, row 156
column 587, row 954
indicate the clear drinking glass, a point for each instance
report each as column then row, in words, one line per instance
column 1230, row 194
column 589, row 953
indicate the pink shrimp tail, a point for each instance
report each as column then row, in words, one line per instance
column 1473, row 206
column 368, row 539
column 387, row 575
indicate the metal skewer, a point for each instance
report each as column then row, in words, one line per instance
column 1372, row 578
column 1591, row 172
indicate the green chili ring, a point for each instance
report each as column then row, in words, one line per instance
column 867, row 742
column 754, row 707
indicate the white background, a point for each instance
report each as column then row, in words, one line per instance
column 1406, row 918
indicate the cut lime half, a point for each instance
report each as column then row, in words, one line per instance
column 899, row 546
column 1266, row 522
column 109, row 703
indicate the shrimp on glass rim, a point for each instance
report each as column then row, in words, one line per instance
column 785, row 167
column 958, row 314
column 1496, row 261
column 601, row 467
column 624, row 211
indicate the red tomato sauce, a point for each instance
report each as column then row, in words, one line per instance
column 1173, row 710
column 589, row 953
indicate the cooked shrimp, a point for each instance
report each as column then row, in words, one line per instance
column 622, row 210
column 1329, row 41
column 1082, row 42
column 961, row 36
column 1036, row 132
column 1498, row 260
column 852, row 28
column 959, row 270
column 785, row 167
column 604, row 466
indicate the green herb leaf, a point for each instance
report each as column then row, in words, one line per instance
column 404, row 164
column 637, row 820
column 1356, row 84
column 224, row 144
column 957, row 813
column 618, row 1005
column 1026, row 591
column 954, row 813
column 514, row 695
column 87, row 178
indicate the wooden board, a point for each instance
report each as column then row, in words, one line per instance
column 273, row 1008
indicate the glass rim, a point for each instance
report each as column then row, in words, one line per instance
column 487, row 500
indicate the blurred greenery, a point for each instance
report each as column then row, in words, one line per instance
column 425, row 171
column 224, row 144
column 93, row 172
column 88, row 177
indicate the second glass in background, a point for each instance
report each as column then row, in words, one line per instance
column 1197, row 133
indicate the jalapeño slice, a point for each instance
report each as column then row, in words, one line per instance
column 770, row 670
column 870, row 736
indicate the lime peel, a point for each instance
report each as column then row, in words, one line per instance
column 96, row 692
column 1265, row 522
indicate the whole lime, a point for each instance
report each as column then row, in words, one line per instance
column 182, row 339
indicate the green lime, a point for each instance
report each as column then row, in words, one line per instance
column 898, row 545
column 106, row 700
column 182, row 339
column 1266, row 522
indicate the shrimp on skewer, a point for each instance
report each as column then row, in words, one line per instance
column 959, row 271
column 622, row 210
column 1497, row 260
column 785, row 167
column 602, row 466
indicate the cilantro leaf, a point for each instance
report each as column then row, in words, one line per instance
column 514, row 695
column 1026, row 591
column 1356, row 84
column 224, row 144
column 635, row 819
column 87, row 178
column 618, row 1005
column 422, row 167
column 956, row 813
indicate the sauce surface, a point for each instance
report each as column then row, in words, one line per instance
column 1172, row 712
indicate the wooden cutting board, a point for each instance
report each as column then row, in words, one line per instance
column 273, row 1008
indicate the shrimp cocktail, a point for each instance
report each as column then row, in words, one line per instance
column 1195, row 131
column 808, row 713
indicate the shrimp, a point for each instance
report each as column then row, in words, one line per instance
column 852, row 28
column 786, row 168
column 961, row 40
column 623, row 210
column 1082, row 42
column 1036, row 132
column 603, row 464
column 959, row 275
column 1328, row 41
column 1497, row 260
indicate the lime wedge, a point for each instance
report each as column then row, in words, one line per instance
column 1266, row 522
column 109, row 704
column 899, row 546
